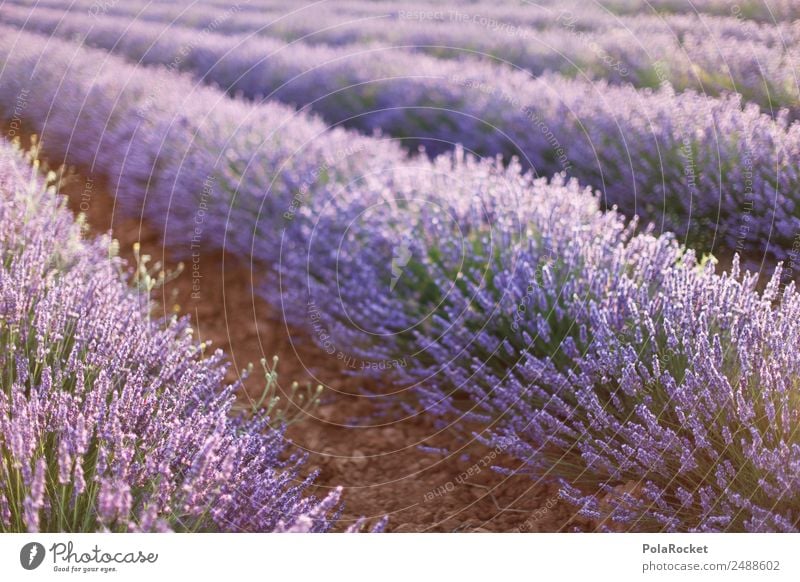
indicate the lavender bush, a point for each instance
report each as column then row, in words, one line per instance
column 109, row 421
column 673, row 394
column 605, row 359
column 687, row 418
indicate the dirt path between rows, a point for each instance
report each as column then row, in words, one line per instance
column 379, row 465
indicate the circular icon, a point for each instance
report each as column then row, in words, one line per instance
column 31, row 555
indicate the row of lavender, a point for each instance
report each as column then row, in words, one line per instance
column 602, row 358
column 206, row 169
column 285, row 18
column 290, row 19
column 769, row 11
column 109, row 420
column 658, row 394
column 708, row 55
column 719, row 173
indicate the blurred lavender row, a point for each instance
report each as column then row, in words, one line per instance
column 109, row 420
column 768, row 11
column 710, row 55
column 337, row 21
column 715, row 171
column 206, row 170
column 289, row 18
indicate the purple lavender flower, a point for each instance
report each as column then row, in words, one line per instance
column 107, row 419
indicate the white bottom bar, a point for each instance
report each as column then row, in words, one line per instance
column 401, row 557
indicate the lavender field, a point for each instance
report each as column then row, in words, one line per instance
column 367, row 266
